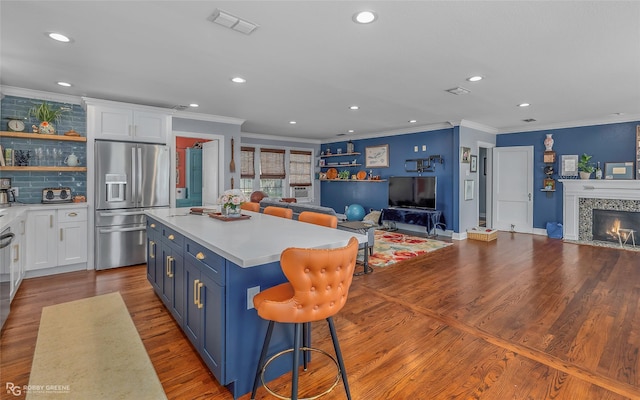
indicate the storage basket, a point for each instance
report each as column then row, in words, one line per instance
column 482, row 234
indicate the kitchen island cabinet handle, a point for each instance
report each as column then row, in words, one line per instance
column 153, row 225
column 200, row 256
column 72, row 214
column 195, row 291
column 61, row 238
column 171, row 237
column 169, row 266
column 200, row 285
column 51, row 221
column 152, row 249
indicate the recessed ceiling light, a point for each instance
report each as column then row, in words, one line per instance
column 364, row 17
column 237, row 79
column 524, row 105
column 59, row 37
column 350, row 131
column 475, row 78
column 354, row 108
column 412, row 121
column 194, row 105
column 65, row 84
column 292, row 122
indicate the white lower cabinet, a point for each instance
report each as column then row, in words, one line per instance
column 56, row 237
column 18, row 253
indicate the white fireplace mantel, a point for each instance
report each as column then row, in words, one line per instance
column 575, row 189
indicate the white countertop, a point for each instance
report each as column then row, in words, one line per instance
column 9, row 214
column 254, row 241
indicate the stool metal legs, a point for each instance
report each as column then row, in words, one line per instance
column 299, row 337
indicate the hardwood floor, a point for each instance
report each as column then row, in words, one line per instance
column 523, row 317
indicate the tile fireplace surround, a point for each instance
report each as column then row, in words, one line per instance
column 580, row 197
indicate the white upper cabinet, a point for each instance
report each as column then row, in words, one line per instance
column 127, row 122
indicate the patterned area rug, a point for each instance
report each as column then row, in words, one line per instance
column 392, row 247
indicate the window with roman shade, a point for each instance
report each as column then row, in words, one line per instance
column 247, row 158
column 272, row 164
column 299, row 168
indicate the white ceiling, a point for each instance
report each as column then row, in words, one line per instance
column 576, row 62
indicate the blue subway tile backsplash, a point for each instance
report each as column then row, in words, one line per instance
column 44, row 152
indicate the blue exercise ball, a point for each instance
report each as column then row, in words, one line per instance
column 355, row 212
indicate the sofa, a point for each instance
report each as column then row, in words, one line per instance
column 300, row 207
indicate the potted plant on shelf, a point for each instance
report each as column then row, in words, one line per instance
column 46, row 115
column 585, row 166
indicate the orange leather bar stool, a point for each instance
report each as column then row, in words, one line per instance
column 250, row 206
column 319, row 281
column 311, row 217
column 279, row 211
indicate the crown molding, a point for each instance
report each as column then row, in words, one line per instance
column 396, row 132
column 279, row 138
column 208, row 117
column 618, row 119
column 40, row 95
column 478, row 126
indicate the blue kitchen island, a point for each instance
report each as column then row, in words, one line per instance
column 206, row 272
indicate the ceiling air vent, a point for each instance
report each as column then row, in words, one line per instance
column 458, row 90
column 232, row 22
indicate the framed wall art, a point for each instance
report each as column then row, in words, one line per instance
column 465, row 154
column 474, row 163
column 569, row 165
column 376, row 156
column 469, row 188
column 622, row 170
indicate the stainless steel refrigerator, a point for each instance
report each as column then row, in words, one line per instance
column 129, row 178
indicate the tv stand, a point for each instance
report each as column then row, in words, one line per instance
column 430, row 219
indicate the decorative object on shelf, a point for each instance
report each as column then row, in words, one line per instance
column 332, row 173
column 343, row 174
column 339, row 151
column 350, row 147
column 618, row 170
column 22, row 157
column 598, row 171
column 548, row 142
column 71, row 160
column 549, row 185
column 321, row 162
column 15, row 124
column 230, row 202
column 71, row 132
column 46, row 115
column 327, row 152
column 377, row 156
column 585, row 166
column 465, row 154
column 549, row 157
column 474, row 164
column 569, row 166
column 361, row 175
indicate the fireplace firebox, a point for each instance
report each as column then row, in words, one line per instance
column 616, row 226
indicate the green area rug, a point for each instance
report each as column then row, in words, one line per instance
column 90, row 349
column 392, row 247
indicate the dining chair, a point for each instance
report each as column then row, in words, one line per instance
column 316, row 218
column 279, row 212
column 250, row 206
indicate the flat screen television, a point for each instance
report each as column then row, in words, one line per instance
column 412, row 192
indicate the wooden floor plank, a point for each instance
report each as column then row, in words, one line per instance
column 522, row 317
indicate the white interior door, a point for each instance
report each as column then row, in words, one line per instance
column 513, row 189
column 210, row 173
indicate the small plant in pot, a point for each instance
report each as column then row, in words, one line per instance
column 46, row 114
column 585, row 166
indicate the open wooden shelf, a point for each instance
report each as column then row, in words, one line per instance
column 339, row 155
column 23, row 135
column 45, row 169
column 354, row 180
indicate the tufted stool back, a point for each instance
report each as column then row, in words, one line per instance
column 279, row 212
column 250, row 206
column 319, row 281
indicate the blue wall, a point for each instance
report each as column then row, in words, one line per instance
column 337, row 195
column 31, row 183
column 606, row 143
